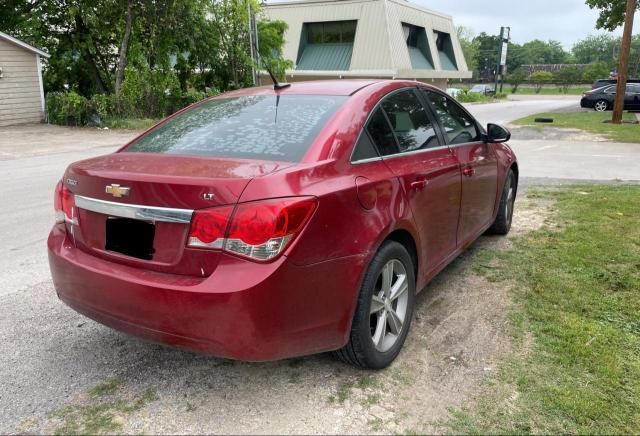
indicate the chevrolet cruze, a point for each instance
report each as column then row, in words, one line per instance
column 282, row 221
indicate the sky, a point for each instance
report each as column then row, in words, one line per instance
column 567, row 21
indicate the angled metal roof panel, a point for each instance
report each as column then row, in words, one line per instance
column 418, row 61
column 322, row 57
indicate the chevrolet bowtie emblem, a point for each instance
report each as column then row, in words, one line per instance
column 117, row 190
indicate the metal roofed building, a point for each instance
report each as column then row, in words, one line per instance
column 369, row 39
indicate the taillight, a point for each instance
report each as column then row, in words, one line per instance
column 64, row 205
column 259, row 230
column 209, row 226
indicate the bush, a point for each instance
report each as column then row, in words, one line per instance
column 148, row 93
column 104, row 105
column 540, row 78
column 67, row 108
column 500, row 95
column 465, row 96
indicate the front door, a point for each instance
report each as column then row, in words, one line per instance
column 478, row 165
column 429, row 173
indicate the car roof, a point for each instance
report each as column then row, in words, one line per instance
column 316, row 87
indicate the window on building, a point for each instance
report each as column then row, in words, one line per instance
column 445, row 51
column 326, row 45
column 418, row 46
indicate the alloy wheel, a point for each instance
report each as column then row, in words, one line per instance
column 389, row 304
column 601, row 106
column 510, row 201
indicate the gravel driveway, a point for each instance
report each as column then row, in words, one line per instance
column 62, row 372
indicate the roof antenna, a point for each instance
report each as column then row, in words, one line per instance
column 276, row 84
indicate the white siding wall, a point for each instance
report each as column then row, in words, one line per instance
column 20, row 100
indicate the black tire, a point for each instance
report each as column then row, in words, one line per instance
column 502, row 223
column 599, row 104
column 360, row 351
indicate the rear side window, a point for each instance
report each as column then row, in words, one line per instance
column 251, row 127
column 459, row 127
column 364, row 148
column 410, row 122
column 381, row 133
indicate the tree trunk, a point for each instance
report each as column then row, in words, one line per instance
column 122, row 55
column 625, row 50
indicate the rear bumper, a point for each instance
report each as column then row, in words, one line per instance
column 244, row 310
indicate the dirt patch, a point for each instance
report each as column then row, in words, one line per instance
column 456, row 341
column 40, row 139
column 554, row 134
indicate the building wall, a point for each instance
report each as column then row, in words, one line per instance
column 20, row 98
column 379, row 48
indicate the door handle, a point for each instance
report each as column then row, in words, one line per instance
column 468, row 171
column 419, row 184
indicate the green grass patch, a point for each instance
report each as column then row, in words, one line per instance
column 102, row 415
column 129, row 123
column 590, row 121
column 577, row 298
column 531, row 90
column 106, row 388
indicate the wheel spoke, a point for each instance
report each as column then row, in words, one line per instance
column 377, row 304
column 381, row 329
column 395, row 323
column 399, row 287
column 387, row 277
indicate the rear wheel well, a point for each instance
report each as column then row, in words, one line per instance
column 405, row 239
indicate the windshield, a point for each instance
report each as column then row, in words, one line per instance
column 251, row 127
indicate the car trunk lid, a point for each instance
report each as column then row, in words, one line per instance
column 135, row 208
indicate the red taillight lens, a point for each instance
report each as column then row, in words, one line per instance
column 258, row 230
column 209, row 226
column 64, row 205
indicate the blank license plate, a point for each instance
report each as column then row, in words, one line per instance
column 130, row 237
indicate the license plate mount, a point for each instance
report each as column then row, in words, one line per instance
column 130, row 237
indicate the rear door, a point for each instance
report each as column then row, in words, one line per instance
column 478, row 165
column 632, row 97
column 413, row 149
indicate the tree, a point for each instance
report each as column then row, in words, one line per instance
column 271, row 41
column 516, row 78
column 567, row 76
column 596, row 71
column 596, row 48
column 612, row 12
column 540, row 78
column 470, row 48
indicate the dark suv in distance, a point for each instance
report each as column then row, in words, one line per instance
column 601, row 99
column 604, row 82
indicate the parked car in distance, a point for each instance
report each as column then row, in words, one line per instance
column 483, row 89
column 454, row 92
column 268, row 223
column 604, row 82
column 601, row 99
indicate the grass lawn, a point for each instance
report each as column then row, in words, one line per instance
column 575, row 367
column 129, row 123
column 529, row 90
column 590, row 121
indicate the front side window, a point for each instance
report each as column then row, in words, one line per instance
column 251, row 127
column 410, row 122
column 459, row 127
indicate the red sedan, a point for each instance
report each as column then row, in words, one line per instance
column 273, row 222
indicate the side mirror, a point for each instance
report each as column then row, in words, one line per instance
column 497, row 133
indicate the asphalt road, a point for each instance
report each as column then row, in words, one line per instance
column 29, row 168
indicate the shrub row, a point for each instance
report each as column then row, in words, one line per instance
column 144, row 94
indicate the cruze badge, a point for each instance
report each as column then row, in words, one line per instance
column 117, row 190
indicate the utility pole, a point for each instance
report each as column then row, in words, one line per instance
column 623, row 68
column 505, row 34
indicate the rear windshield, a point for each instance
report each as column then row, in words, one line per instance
column 251, row 127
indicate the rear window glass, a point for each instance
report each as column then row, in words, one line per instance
column 252, row 127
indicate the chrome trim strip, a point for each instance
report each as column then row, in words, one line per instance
column 134, row 211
